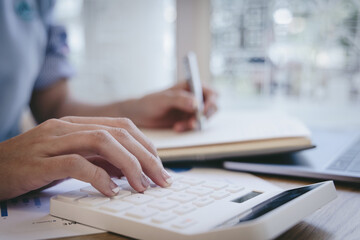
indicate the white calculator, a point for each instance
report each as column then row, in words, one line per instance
column 193, row 208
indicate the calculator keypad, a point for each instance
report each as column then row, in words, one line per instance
column 172, row 205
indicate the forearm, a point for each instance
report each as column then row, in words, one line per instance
column 72, row 107
column 56, row 102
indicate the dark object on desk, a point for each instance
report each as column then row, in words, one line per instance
column 336, row 157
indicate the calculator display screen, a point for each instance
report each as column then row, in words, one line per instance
column 275, row 202
column 248, row 196
column 266, row 206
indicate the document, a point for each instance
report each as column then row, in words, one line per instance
column 27, row 216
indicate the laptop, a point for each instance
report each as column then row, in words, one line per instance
column 336, row 157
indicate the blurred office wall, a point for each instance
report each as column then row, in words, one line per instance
column 120, row 48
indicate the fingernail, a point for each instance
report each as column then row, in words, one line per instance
column 115, row 190
column 167, row 177
column 145, row 180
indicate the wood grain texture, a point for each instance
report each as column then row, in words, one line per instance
column 340, row 219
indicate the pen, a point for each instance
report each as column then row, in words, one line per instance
column 193, row 78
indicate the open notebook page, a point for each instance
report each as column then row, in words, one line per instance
column 229, row 127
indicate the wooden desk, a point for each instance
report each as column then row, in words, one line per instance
column 340, row 219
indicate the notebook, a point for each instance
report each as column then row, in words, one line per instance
column 230, row 134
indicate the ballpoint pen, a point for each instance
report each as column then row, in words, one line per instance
column 193, row 78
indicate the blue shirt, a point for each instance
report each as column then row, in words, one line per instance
column 32, row 56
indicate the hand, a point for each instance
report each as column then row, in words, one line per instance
column 89, row 149
column 174, row 107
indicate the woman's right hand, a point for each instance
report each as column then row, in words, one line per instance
column 90, row 149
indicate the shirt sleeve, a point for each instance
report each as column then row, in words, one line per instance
column 56, row 65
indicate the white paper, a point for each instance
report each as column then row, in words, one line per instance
column 28, row 216
column 226, row 127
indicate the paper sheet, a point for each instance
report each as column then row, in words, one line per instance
column 227, row 127
column 27, row 217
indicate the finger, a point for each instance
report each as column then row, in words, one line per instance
column 104, row 164
column 208, row 91
column 210, row 97
column 102, row 143
column 181, row 100
column 210, row 107
column 182, row 85
column 151, row 165
column 210, row 101
column 185, row 125
column 119, row 123
column 75, row 166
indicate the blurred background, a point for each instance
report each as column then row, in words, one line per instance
column 301, row 57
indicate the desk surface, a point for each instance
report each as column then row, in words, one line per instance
column 340, row 219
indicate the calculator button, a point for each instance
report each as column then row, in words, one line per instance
column 121, row 194
column 182, row 197
column 234, row 188
column 220, row 194
column 200, row 191
column 71, row 196
column 142, row 212
column 163, row 217
column 163, row 204
column 158, row 192
column 203, row 201
column 126, row 187
column 191, row 181
column 123, row 178
column 176, row 186
column 215, row 185
column 93, row 200
column 90, row 190
column 116, row 206
column 176, row 177
column 184, row 209
column 138, row 199
column 152, row 184
column 184, row 223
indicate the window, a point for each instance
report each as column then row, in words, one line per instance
column 303, row 50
